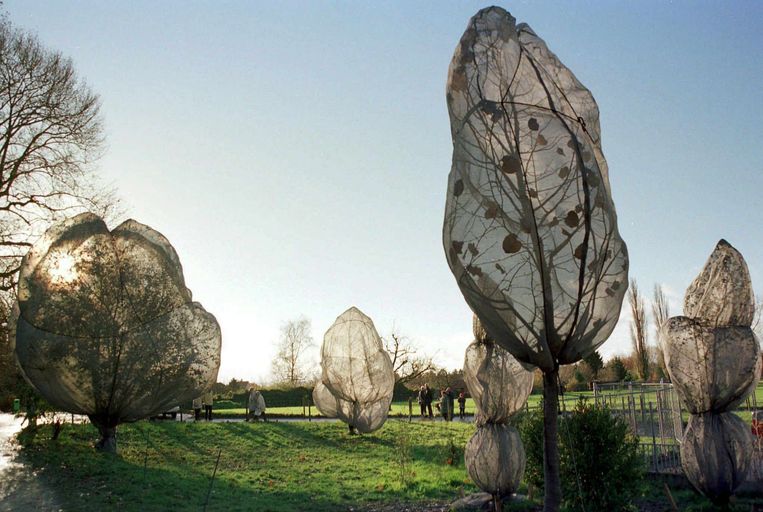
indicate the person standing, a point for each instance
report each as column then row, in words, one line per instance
column 451, row 402
column 444, row 404
column 428, row 400
column 197, row 408
column 421, row 398
column 462, row 405
column 256, row 405
column 208, row 399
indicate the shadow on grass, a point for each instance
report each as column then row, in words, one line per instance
column 94, row 481
column 268, row 467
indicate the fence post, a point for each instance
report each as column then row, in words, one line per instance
column 633, row 415
column 595, row 394
column 622, row 407
column 410, row 409
column 654, row 441
column 660, row 407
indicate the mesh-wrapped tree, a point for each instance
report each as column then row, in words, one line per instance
column 713, row 359
column 499, row 385
column 357, row 378
column 497, row 382
column 107, row 327
column 363, row 418
column 530, row 229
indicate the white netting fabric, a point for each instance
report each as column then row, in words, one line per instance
column 495, row 459
column 716, row 453
column 713, row 358
column 327, row 404
column 107, row 327
column 357, row 376
column 498, row 383
column 530, row 229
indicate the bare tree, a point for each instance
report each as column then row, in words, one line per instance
column 757, row 321
column 50, row 133
column 638, row 330
column 289, row 365
column 407, row 362
column 660, row 314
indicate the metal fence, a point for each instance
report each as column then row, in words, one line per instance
column 655, row 414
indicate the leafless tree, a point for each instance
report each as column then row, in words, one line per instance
column 407, row 361
column 757, row 321
column 660, row 314
column 289, row 365
column 638, row 330
column 50, row 134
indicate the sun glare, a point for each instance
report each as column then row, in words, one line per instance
column 63, row 271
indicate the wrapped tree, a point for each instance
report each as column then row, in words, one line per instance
column 357, row 378
column 499, row 385
column 497, row 382
column 713, row 359
column 364, row 418
column 530, row 229
column 107, row 327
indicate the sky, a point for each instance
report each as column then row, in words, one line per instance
column 296, row 154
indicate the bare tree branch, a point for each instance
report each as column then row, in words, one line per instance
column 289, row 365
column 638, row 330
column 407, row 362
column 50, row 135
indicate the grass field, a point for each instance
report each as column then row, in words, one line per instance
column 265, row 466
column 277, row 466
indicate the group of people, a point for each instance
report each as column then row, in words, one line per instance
column 255, row 409
column 204, row 401
column 445, row 404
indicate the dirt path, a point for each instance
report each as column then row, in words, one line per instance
column 20, row 488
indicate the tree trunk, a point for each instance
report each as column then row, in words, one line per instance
column 551, row 481
column 108, row 441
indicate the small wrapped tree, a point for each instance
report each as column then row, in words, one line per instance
column 107, row 327
column 357, row 378
column 713, row 359
column 499, row 385
column 530, row 229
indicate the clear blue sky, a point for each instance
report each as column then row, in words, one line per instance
column 296, row 153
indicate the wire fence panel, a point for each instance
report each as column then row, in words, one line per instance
column 655, row 414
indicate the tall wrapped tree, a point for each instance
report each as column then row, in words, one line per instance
column 107, row 327
column 713, row 358
column 530, row 229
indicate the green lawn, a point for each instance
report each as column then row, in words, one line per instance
column 276, row 466
column 265, row 466
column 400, row 409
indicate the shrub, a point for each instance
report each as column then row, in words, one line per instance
column 601, row 467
